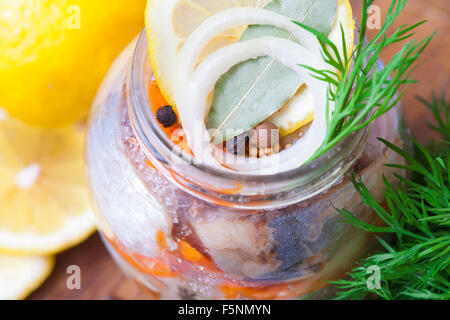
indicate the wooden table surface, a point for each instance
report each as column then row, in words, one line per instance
column 101, row 279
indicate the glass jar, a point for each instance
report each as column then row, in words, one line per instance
column 185, row 231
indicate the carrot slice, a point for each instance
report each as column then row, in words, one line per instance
column 175, row 132
column 233, row 291
column 190, row 253
column 161, row 240
column 155, row 266
column 260, row 291
column 151, row 266
column 193, row 255
column 157, row 101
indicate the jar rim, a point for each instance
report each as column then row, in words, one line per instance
column 230, row 188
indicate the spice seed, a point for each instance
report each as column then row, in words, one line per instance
column 166, row 116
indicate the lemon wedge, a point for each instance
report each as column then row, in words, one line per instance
column 20, row 276
column 298, row 112
column 170, row 22
column 44, row 203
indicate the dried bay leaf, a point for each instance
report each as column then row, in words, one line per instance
column 253, row 90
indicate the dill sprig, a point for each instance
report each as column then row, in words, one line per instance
column 440, row 109
column 360, row 89
column 417, row 264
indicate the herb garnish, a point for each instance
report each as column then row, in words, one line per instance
column 417, row 264
column 361, row 90
column 253, row 90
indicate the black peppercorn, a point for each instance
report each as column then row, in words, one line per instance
column 166, row 116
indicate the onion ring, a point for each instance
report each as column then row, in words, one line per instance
column 234, row 17
column 192, row 102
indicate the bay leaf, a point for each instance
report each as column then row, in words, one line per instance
column 253, row 90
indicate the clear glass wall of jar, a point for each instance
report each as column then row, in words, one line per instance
column 185, row 231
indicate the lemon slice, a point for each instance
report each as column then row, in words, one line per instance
column 170, row 22
column 44, row 203
column 299, row 110
column 20, row 276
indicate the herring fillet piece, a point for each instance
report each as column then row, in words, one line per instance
column 253, row 90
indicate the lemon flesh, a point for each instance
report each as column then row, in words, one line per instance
column 296, row 113
column 54, row 54
column 170, row 22
column 44, row 203
column 19, row 276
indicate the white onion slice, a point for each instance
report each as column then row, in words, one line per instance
column 231, row 18
column 192, row 101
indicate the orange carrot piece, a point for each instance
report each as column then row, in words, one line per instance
column 155, row 266
column 190, row 253
column 151, row 266
column 161, row 240
column 157, row 101
column 193, row 255
column 269, row 292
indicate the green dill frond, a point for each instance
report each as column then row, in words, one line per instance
column 416, row 212
column 417, row 264
column 440, row 110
